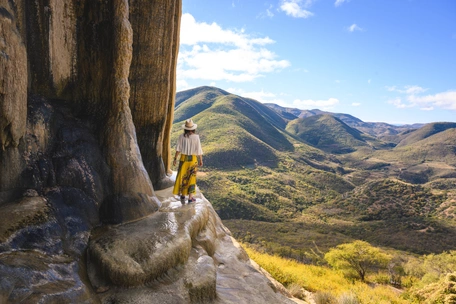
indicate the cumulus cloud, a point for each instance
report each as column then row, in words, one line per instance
column 310, row 103
column 354, row 27
column 210, row 52
column 193, row 33
column 296, row 8
column 443, row 100
column 340, row 2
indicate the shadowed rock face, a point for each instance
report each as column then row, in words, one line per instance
column 81, row 52
column 152, row 79
column 86, row 105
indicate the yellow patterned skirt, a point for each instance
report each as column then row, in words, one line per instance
column 186, row 175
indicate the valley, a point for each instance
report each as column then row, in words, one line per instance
column 293, row 181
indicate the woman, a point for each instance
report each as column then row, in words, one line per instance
column 189, row 146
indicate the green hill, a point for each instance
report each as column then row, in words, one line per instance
column 235, row 131
column 191, row 102
column 328, row 133
column 282, row 183
column 425, row 132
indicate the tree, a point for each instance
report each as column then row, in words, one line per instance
column 358, row 256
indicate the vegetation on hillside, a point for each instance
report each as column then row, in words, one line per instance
column 404, row 279
column 284, row 193
column 328, row 133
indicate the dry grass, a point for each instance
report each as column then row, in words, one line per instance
column 329, row 284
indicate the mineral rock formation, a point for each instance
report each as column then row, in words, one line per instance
column 86, row 106
column 152, row 79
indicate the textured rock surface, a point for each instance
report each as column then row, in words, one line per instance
column 86, row 105
column 163, row 259
column 152, row 79
column 13, row 96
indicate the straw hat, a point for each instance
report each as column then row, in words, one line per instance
column 189, row 125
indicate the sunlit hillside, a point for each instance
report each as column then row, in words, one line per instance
column 273, row 184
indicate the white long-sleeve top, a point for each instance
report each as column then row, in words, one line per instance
column 190, row 145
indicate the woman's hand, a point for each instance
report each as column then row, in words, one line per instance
column 200, row 163
column 174, row 162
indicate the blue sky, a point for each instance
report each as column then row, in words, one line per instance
column 380, row 60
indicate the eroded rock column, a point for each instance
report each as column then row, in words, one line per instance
column 13, row 97
column 152, row 78
column 133, row 195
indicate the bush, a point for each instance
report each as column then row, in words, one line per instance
column 324, row 297
column 296, row 290
column 348, row 298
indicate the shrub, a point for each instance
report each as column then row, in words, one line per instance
column 348, row 298
column 296, row 290
column 324, row 297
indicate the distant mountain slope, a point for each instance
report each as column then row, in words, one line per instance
column 295, row 194
column 236, row 131
column 191, row 102
column 378, row 129
column 425, row 132
column 328, row 133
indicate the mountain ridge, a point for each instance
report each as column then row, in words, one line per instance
column 316, row 190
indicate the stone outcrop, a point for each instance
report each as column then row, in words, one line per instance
column 181, row 254
column 86, row 105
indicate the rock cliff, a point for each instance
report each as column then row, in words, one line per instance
column 86, row 106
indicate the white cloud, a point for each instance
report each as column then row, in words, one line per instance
column 369, row 81
column 340, row 2
column 354, row 27
column 181, row 85
column 397, row 102
column 409, row 89
column 444, row 100
column 337, row 81
column 391, row 89
column 295, row 9
column 414, row 89
column 210, row 52
column 356, row 104
column 267, row 14
column 309, row 103
column 261, row 96
column 193, row 33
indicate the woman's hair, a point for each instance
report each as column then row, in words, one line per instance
column 188, row 132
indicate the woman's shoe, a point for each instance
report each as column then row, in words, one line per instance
column 192, row 200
